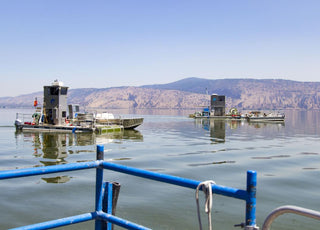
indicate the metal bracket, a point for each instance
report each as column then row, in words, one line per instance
column 242, row 225
column 239, row 225
column 251, row 228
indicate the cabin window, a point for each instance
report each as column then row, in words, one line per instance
column 54, row 91
column 64, row 90
column 221, row 98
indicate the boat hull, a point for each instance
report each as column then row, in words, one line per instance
column 219, row 117
column 266, row 119
column 100, row 129
column 54, row 128
column 127, row 123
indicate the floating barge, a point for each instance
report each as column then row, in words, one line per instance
column 52, row 128
column 216, row 110
column 207, row 114
column 69, row 129
column 53, row 116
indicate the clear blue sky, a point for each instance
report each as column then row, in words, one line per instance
column 136, row 42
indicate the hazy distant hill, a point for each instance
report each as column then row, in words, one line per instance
column 191, row 93
column 197, row 85
column 253, row 93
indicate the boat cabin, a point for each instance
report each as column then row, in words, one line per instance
column 218, row 104
column 55, row 103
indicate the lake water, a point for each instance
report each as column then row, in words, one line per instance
column 286, row 157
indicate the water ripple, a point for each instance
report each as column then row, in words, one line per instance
column 270, row 157
column 309, row 153
column 212, row 163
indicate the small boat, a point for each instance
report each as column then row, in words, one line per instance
column 258, row 116
column 109, row 118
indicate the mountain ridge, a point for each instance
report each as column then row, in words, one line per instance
column 190, row 93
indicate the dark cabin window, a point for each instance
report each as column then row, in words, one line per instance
column 54, row 91
column 64, row 91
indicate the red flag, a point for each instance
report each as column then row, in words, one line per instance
column 35, row 103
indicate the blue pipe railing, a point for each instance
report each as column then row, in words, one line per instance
column 104, row 191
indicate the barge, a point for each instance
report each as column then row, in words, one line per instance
column 52, row 117
column 216, row 110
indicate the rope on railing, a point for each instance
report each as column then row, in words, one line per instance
column 206, row 187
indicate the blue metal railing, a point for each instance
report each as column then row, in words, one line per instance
column 104, row 191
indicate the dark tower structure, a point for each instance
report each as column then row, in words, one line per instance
column 218, row 104
column 55, row 103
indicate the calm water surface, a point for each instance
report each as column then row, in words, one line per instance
column 286, row 157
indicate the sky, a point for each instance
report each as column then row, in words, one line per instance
column 109, row 43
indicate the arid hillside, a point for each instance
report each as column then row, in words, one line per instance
column 192, row 93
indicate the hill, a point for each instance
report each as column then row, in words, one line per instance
column 245, row 94
column 253, row 93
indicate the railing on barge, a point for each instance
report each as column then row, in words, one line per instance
column 103, row 201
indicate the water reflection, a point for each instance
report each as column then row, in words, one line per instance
column 57, row 179
column 54, row 148
column 219, row 128
column 259, row 125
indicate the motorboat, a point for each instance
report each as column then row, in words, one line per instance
column 260, row 116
